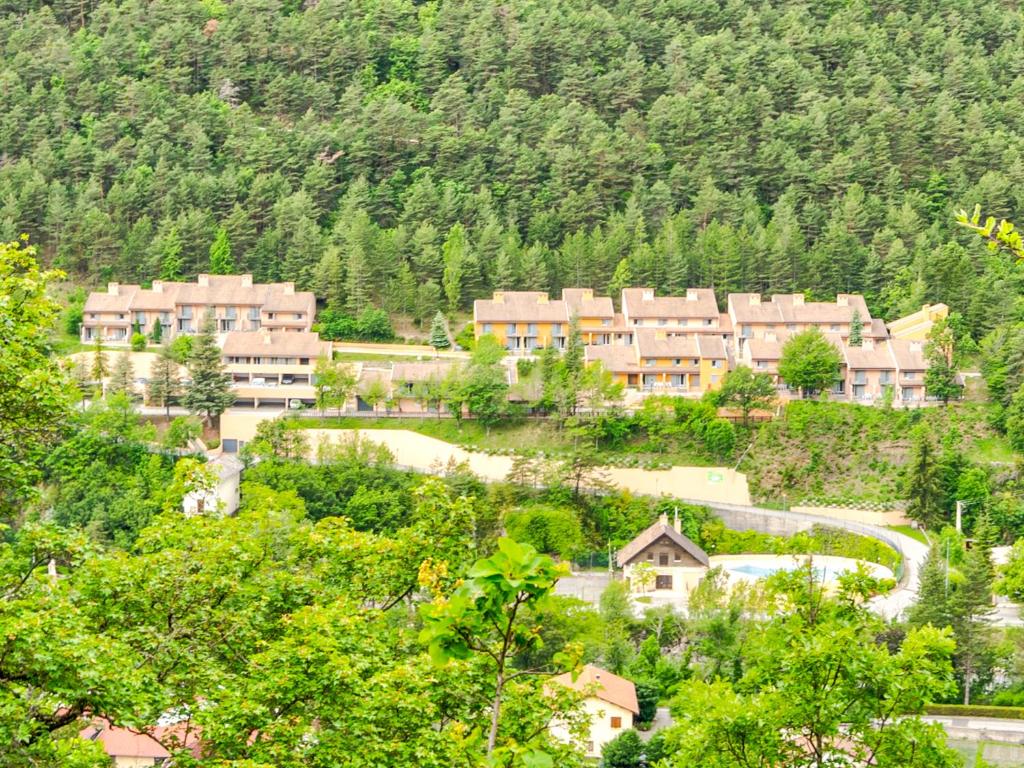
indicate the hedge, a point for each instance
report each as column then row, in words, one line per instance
column 975, row 710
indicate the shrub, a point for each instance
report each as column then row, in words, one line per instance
column 552, row 530
column 720, row 437
column 466, row 338
column 138, row 342
column 372, row 325
column 975, row 710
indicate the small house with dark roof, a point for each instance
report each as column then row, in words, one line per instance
column 663, row 560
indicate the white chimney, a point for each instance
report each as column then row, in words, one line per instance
column 499, row 297
column 798, row 299
column 755, row 299
column 663, row 518
column 266, row 335
column 648, row 295
column 203, row 280
column 246, row 281
column 158, row 286
column 113, row 288
column 842, row 300
column 678, row 526
column 915, row 346
column 867, row 344
column 288, row 288
column 691, row 294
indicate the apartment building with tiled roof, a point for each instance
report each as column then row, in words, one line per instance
column 236, row 302
column 754, row 317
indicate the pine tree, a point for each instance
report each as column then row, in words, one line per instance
column 856, row 329
column 328, row 281
column 99, row 370
column 171, row 263
column 209, row 393
column 439, row 332
column 164, row 382
column 357, row 281
column 221, row 262
column 933, row 595
column 453, row 254
column 504, row 272
column 924, row 483
column 122, row 378
column 156, row 333
column 971, row 605
column 621, row 279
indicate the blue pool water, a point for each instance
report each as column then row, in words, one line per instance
column 760, row 571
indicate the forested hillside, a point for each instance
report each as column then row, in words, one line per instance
column 770, row 146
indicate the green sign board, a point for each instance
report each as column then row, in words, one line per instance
column 715, row 477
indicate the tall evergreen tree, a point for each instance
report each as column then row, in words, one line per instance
column 453, row 255
column 856, row 329
column 209, row 392
column 164, row 382
column 357, row 281
column 171, row 262
column 924, row 486
column 221, row 262
column 122, row 378
column 439, row 332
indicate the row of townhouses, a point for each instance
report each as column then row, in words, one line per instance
column 236, row 303
column 686, row 344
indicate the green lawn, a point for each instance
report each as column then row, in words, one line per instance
column 913, row 533
column 991, row 449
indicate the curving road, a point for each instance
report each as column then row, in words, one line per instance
column 891, row 605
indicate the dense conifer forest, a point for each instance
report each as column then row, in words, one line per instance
column 417, row 155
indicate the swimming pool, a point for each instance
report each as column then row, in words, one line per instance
column 761, row 571
column 828, row 568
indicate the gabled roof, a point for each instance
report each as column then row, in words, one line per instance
column 909, row 355
column 641, row 302
column 652, row 342
column 264, row 343
column 617, row 358
column 870, row 356
column 583, row 303
column 520, row 307
column 603, row 685
column 421, row 371
column 655, row 532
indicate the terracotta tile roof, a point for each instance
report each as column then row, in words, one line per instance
column 765, row 349
column 751, row 308
column 105, row 301
column 617, row 358
column 421, row 371
column 909, row 355
column 520, row 307
column 119, row 742
column 368, row 375
column 603, row 685
column 642, row 303
column 792, row 308
column 712, row 347
column 650, row 342
column 651, row 535
column 228, row 290
column 266, row 343
column 869, row 357
column 583, row 302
